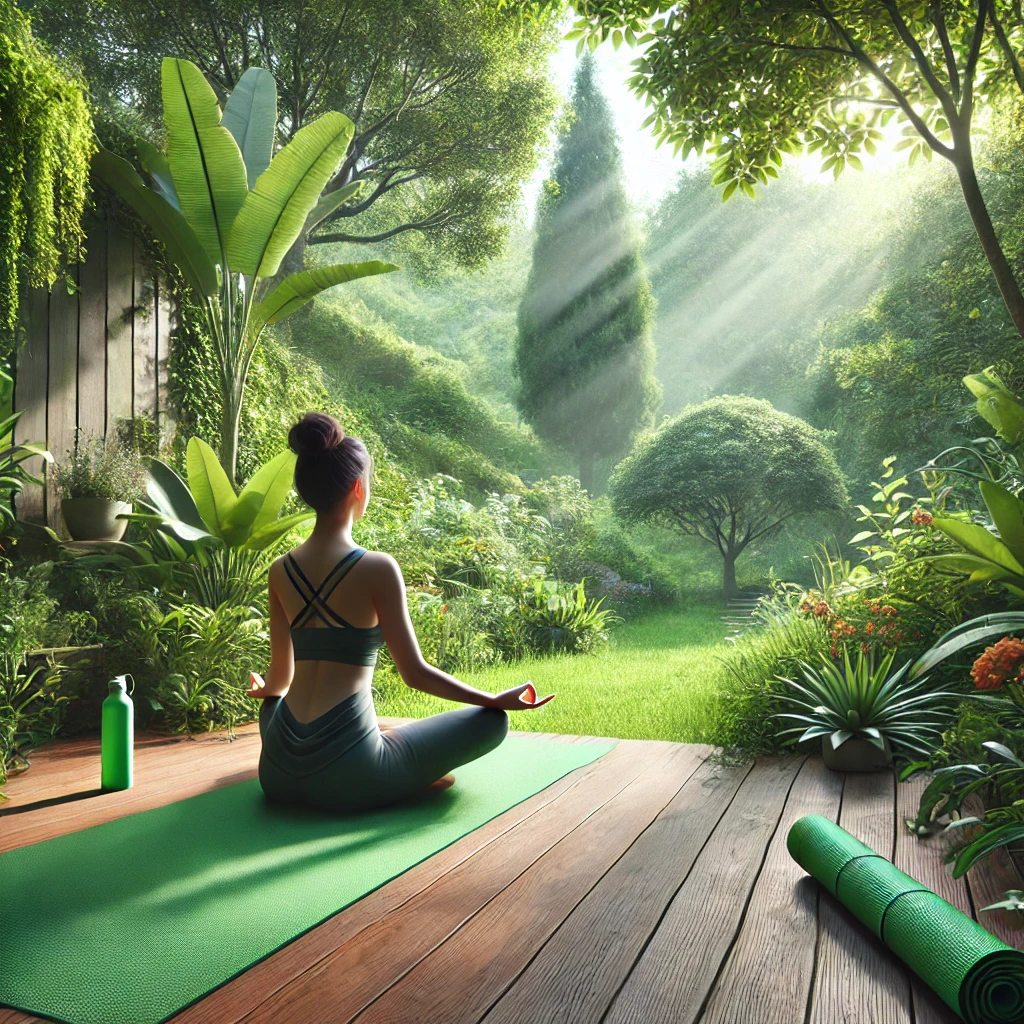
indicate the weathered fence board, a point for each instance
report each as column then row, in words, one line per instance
column 91, row 358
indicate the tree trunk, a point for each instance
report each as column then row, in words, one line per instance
column 587, row 472
column 230, row 417
column 729, row 588
column 1008, row 286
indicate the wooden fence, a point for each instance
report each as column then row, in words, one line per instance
column 90, row 359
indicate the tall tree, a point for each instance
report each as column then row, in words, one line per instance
column 450, row 101
column 753, row 79
column 584, row 353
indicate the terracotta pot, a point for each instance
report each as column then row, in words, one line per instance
column 856, row 755
column 93, row 518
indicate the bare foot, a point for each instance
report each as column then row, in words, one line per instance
column 445, row 782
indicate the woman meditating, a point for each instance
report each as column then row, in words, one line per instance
column 332, row 605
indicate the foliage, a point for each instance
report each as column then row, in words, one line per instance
column 201, row 659
column 751, row 81
column 867, row 700
column 204, row 544
column 729, row 471
column 997, row 774
column 417, row 402
column 450, row 102
column 13, row 475
column 31, row 710
column 560, row 618
column 100, row 468
column 45, row 147
column 584, row 353
column 213, row 208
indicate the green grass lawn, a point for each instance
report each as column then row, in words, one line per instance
column 657, row 679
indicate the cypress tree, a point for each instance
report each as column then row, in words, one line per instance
column 584, row 351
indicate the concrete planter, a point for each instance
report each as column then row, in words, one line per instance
column 94, row 518
column 856, row 755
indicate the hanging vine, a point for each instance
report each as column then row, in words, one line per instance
column 46, row 145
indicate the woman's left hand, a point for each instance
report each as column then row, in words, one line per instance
column 258, row 689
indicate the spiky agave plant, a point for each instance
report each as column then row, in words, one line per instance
column 865, row 699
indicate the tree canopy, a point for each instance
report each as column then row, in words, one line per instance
column 450, row 102
column 753, row 79
column 584, row 353
column 731, row 471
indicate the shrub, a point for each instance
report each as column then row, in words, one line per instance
column 98, row 468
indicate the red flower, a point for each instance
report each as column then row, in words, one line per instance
column 921, row 518
column 444, row 608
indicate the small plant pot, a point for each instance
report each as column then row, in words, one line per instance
column 856, row 755
column 94, row 518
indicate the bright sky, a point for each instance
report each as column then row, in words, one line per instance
column 650, row 172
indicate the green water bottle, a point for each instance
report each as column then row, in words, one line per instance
column 117, row 728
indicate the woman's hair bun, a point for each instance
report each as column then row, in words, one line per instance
column 315, row 434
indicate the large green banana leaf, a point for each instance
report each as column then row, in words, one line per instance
column 6, row 408
column 297, row 289
column 209, row 173
column 1007, row 513
column 997, row 404
column 167, row 224
column 274, row 531
column 326, row 205
column 976, row 540
column 156, row 166
column 250, row 114
column 259, row 504
column 275, row 211
column 214, row 496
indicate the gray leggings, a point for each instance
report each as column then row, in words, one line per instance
column 341, row 761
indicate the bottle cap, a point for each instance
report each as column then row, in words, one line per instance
column 121, row 683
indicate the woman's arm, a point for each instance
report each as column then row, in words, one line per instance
column 282, row 657
column 396, row 626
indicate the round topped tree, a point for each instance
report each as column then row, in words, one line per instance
column 731, row 471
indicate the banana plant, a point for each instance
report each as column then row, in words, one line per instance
column 199, row 530
column 227, row 211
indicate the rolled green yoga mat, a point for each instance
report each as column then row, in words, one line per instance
column 130, row 921
column 978, row 976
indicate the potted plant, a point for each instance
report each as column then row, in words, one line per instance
column 864, row 713
column 98, row 481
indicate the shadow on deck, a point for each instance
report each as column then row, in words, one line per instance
column 652, row 885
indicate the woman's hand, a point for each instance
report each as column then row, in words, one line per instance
column 259, row 689
column 518, row 698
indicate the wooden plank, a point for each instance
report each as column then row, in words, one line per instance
column 858, row 979
column 677, row 970
column 574, row 978
column 165, row 324
column 144, row 367
column 62, row 390
column 922, row 858
column 30, row 396
column 120, row 318
column 465, row 975
column 232, row 1001
column 368, row 963
column 92, row 336
column 771, row 967
column 159, row 780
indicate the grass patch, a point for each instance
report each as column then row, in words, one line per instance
column 659, row 679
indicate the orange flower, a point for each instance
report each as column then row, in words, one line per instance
column 998, row 663
column 920, row 517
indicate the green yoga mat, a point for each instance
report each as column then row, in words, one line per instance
column 130, row 921
column 979, row 977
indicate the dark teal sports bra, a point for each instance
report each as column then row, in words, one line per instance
column 340, row 641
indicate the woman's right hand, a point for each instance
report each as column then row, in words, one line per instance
column 519, row 698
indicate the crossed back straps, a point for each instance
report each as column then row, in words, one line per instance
column 316, row 597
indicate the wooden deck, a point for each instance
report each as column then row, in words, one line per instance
column 650, row 886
